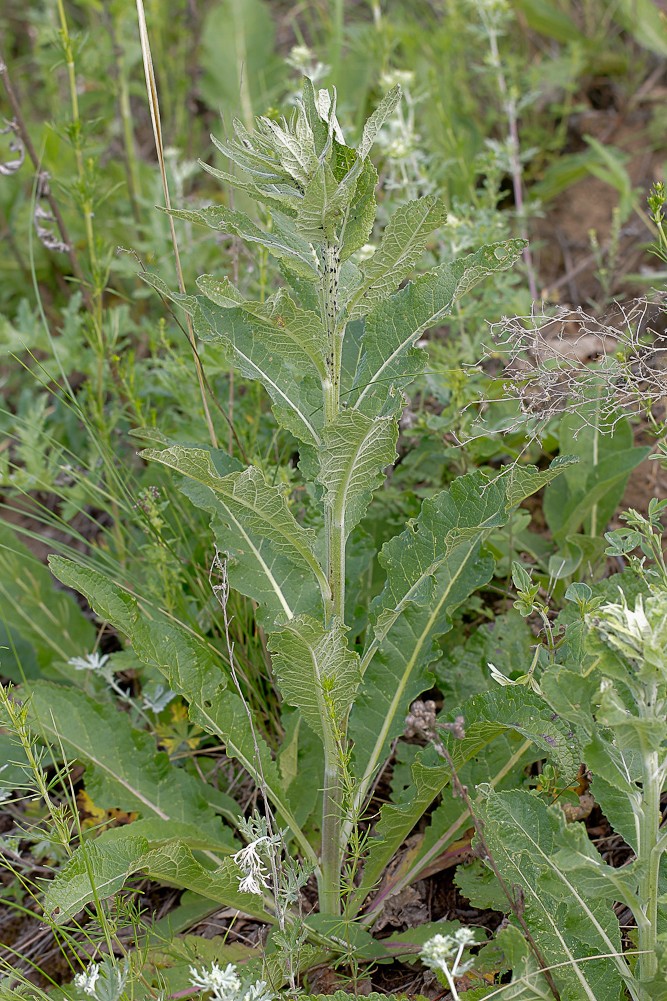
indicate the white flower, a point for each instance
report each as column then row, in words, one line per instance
column 86, row 981
column 223, row 983
column 91, row 662
column 258, row 992
column 443, row 952
column 252, row 866
column 251, row 884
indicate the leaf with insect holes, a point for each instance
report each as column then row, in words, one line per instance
column 282, row 242
column 394, row 325
column 272, row 556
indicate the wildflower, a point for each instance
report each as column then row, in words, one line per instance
column 222, row 983
column 443, row 953
column 252, row 866
column 86, row 981
column 91, row 662
column 258, row 992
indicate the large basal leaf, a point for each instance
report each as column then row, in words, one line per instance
column 272, row 558
column 124, row 769
column 431, row 568
column 192, row 669
column 355, row 452
column 282, row 242
column 526, row 839
column 402, row 245
column 316, row 673
column 270, row 362
column 100, row 868
column 393, row 327
column 48, row 619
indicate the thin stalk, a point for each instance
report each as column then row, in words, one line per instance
column 36, row 162
column 151, row 87
column 510, row 108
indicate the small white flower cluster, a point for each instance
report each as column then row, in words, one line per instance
column 91, row 662
column 86, row 981
column 226, row 985
column 443, row 953
column 253, row 866
column 105, row 983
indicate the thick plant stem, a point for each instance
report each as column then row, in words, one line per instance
column 330, row 898
column 650, row 850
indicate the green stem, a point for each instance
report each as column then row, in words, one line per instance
column 330, row 896
column 649, row 848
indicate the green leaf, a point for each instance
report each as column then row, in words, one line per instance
column 124, row 769
column 589, row 492
column 273, row 556
column 402, row 245
column 524, row 838
column 282, row 242
column 100, row 868
column 192, row 668
column 270, row 362
column 384, row 110
column 355, row 452
column 393, row 326
column 298, row 335
column 47, row 618
column 316, row 673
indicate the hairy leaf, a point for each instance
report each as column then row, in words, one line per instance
column 271, row 363
column 402, row 245
column 316, row 673
column 394, row 326
column 273, row 554
column 282, row 242
column 355, row 452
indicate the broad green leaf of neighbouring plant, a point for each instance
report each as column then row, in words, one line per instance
column 100, row 868
column 526, row 838
column 124, row 770
column 48, row 619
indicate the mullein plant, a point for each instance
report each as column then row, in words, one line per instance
column 335, row 347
